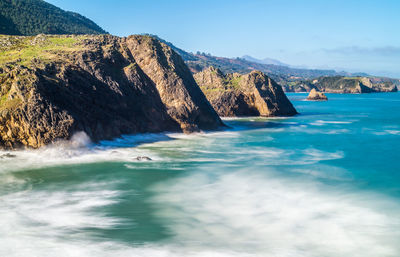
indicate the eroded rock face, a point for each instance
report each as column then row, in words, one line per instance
column 316, row 96
column 103, row 85
column 252, row 94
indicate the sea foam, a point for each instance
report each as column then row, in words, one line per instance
column 80, row 150
column 267, row 215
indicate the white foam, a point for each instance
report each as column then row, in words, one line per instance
column 312, row 154
column 269, row 216
column 210, row 148
column 308, row 130
column 226, row 214
column 80, row 150
column 325, row 172
column 256, row 118
column 33, row 223
column 337, row 131
column 387, row 132
column 216, row 211
column 324, row 122
column 212, row 212
column 196, row 135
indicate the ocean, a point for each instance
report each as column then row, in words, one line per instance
column 323, row 183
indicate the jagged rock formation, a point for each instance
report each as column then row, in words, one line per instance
column 53, row 86
column 252, row 94
column 316, row 96
column 344, row 85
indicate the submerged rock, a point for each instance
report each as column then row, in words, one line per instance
column 316, row 96
column 103, row 85
column 8, row 155
column 252, row 94
column 143, row 158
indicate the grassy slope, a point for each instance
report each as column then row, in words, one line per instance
column 22, row 50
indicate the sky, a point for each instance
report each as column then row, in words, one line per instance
column 355, row 36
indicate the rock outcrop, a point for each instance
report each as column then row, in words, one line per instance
column 344, row 85
column 252, row 94
column 316, row 96
column 106, row 86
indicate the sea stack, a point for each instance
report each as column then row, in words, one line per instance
column 252, row 94
column 106, row 86
column 316, row 96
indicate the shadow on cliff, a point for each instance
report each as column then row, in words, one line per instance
column 205, row 114
column 106, row 108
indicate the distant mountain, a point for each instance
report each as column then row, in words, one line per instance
column 32, row 17
column 280, row 73
column 264, row 61
column 283, row 74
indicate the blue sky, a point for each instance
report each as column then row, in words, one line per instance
column 350, row 35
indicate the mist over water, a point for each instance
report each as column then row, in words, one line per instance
column 324, row 183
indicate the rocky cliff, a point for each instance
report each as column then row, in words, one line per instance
column 252, row 94
column 343, row 85
column 54, row 86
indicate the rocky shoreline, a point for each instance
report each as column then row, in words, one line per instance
column 343, row 85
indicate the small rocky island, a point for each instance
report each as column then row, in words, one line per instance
column 316, row 96
column 252, row 94
column 53, row 86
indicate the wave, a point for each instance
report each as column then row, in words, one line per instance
column 213, row 211
column 324, row 122
column 266, row 215
column 80, row 150
column 387, row 132
column 308, row 130
column 247, row 198
column 44, row 222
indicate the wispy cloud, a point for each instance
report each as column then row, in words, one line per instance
column 382, row 51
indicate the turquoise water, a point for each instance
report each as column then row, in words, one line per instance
column 323, row 183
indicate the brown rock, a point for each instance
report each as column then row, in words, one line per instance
column 316, row 96
column 103, row 85
column 252, row 94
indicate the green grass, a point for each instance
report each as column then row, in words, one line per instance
column 129, row 66
column 211, row 90
column 22, row 51
column 9, row 104
column 350, row 78
column 64, row 42
column 3, row 99
column 234, row 82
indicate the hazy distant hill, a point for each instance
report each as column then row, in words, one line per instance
column 32, row 17
column 264, row 61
